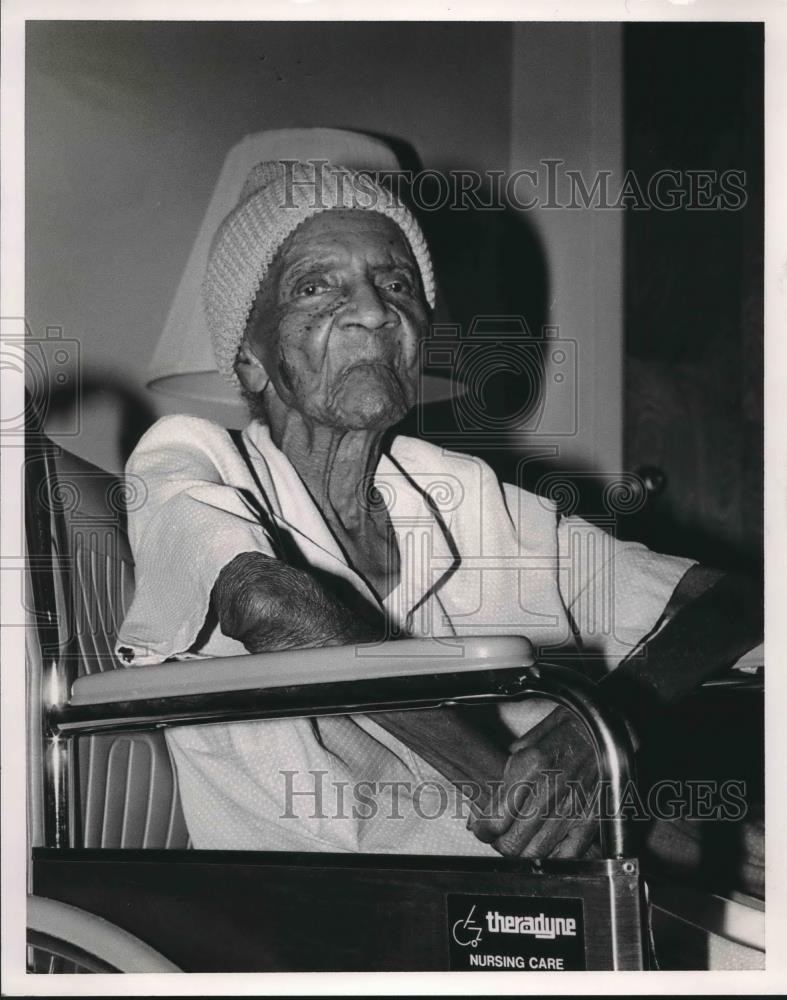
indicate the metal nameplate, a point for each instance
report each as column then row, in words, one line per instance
column 528, row 934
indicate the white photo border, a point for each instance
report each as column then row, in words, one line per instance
column 774, row 979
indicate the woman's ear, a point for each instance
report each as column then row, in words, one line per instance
column 250, row 369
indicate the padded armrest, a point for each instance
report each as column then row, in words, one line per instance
column 404, row 658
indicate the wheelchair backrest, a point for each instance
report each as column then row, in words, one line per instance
column 81, row 583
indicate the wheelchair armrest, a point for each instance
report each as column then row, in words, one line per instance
column 332, row 680
column 303, row 667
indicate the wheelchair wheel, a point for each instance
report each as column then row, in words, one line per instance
column 65, row 939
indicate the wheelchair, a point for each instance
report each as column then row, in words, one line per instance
column 114, row 883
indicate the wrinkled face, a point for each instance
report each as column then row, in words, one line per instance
column 338, row 321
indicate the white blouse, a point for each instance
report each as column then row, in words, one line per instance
column 477, row 558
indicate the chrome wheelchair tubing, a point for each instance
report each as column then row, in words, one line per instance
column 430, row 690
column 610, row 737
column 45, row 542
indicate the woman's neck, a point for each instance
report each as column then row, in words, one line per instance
column 336, row 465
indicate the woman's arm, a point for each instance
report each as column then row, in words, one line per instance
column 711, row 620
column 268, row 605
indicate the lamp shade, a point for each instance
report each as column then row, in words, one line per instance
column 183, row 364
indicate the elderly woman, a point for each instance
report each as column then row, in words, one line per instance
column 314, row 528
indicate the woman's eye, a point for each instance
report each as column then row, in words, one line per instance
column 311, row 288
column 396, row 286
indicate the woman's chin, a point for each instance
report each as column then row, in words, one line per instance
column 370, row 398
column 372, row 417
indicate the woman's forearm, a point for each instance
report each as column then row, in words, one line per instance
column 455, row 748
column 268, row 605
column 708, row 633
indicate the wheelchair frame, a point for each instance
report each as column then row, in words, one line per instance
column 480, row 671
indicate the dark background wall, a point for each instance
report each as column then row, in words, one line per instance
column 694, row 292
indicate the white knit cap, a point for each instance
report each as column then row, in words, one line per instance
column 277, row 197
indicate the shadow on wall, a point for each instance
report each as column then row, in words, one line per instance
column 494, row 287
column 492, row 295
column 135, row 412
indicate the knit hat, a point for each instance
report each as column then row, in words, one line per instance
column 278, row 196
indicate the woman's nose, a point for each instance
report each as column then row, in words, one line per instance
column 367, row 307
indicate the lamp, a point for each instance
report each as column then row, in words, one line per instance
column 183, row 364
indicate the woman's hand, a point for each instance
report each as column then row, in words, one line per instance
column 537, row 814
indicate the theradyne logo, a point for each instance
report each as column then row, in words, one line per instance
column 468, row 932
